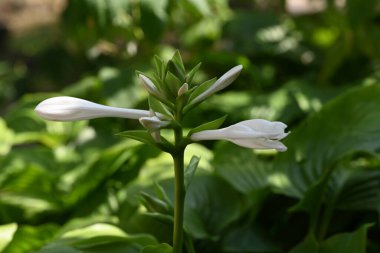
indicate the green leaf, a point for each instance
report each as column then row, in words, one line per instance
column 154, row 204
column 160, row 67
column 7, row 137
column 173, row 83
column 194, row 225
column 99, row 237
column 190, row 170
column 360, row 191
column 247, row 239
column 215, row 202
column 309, row 245
column 317, row 143
column 153, row 18
column 139, row 135
column 161, row 248
column 354, row 242
column 190, row 76
column 177, row 60
column 29, row 238
column 157, row 106
column 162, row 194
column 6, row 234
column 215, row 124
column 158, row 225
column 242, row 168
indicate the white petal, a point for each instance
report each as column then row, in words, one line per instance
column 220, row 84
column 263, row 125
column 71, row 109
column 208, row 135
column 260, row 144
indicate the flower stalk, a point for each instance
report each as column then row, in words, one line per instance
column 179, row 194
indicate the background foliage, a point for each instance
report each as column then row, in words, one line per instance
column 77, row 187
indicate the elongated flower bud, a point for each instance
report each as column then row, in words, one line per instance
column 255, row 133
column 71, row 109
column 220, row 84
column 150, row 87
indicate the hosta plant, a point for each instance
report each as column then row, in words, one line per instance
column 172, row 95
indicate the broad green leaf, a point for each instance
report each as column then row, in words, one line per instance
column 242, row 168
column 214, row 201
column 98, row 238
column 88, row 176
column 215, row 124
column 6, row 234
column 158, row 225
column 247, row 239
column 139, row 135
column 354, row 242
column 161, row 248
column 195, row 226
column 190, row 170
column 29, row 238
column 324, row 138
column 309, row 245
column 360, row 191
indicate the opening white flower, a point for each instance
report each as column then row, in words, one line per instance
column 71, row 109
column 255, row 133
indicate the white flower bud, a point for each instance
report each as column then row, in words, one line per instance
column 150, row 87
column 220, row 84
column 71, row 109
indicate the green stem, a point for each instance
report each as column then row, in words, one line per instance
column 178, row 158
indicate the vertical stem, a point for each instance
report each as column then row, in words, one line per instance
column 178, row 158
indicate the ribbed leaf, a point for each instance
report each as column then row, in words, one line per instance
column 242, row 168
column 324, row 138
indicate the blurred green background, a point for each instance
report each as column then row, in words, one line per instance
column 313, row 64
